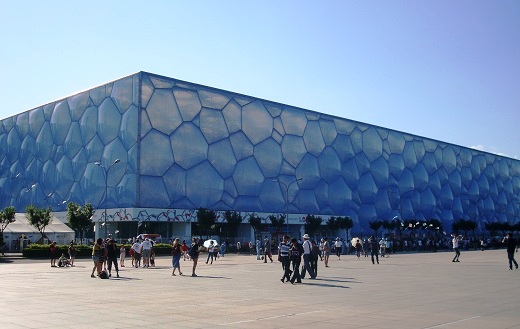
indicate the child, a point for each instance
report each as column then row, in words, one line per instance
column 63, row 261
column 122, row 256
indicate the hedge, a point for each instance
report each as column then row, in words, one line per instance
column 42, row 250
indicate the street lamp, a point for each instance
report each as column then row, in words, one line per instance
column 287, row 186
column 105, row 171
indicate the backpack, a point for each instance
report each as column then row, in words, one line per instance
column 103, row 275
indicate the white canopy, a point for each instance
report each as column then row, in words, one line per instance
column 55, row 231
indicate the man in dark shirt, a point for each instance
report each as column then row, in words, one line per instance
column 511, row 245
column 374, row 248
column 112, row 253
column 283, row 256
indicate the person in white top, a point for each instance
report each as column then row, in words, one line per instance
column 137, row 253
column 307, row 248
column 211, row 252
column 455, row 241
column 146, row 247
column 338, row 245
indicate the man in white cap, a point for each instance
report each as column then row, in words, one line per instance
column 307, row 247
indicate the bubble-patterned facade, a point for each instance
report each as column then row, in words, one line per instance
column 184, row 146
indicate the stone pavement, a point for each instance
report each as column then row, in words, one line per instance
column 422, row 290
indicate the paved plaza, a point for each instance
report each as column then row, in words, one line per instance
column 407, row 290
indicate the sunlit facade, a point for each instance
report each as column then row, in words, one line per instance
column 184, row 146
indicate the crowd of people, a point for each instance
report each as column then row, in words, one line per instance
column 290, row 251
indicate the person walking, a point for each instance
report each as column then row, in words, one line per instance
column 320, row 247
column 374, row 248
column 338, row 245
column 295, row 253
column 136, row 247
column 315, row 254
column 194, row 255
column 283, row 257
column 258, row 246
column 307, row 249
column 184, row 249
column 97, row 249
column 112, row 257
column 176, row 256
column 211, row 252
column 512, row 246
column 72, row 253
column 122, row 256
column 146, row 248
column 359, row 248
column 223, row 249
column 52, row 250
column 326, row 252
column 267, row 250
column 455, row 242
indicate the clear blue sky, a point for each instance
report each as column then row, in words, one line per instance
column 448, row 70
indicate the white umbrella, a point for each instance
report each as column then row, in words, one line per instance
column 208, row 242
column 354, row 241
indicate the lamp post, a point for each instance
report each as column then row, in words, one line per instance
column 287, row 186
column 105, row 171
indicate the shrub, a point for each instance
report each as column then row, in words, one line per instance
column 42, row 251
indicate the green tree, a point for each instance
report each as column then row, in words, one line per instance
column 233, row 220
column 39, row 218
column 256, row 223
column 206, row 221
column 312, row 224
column 6, row 217
column 332, row 225
column 345, row 223
column 277, row 221
column 80, row 218
column 464, row 225
column 376, row 225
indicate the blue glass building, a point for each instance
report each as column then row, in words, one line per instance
column 183, row 146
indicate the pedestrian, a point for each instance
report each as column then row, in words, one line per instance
column 185, row 249
column 512, row 246
column 283, row 257
column 223, row 249
column 136, row 247
column 52, row 250
column 374, row 248
column 307, row 249
column 267, row 250
column 146, row 248
column 326, row 251
column 296, row 252
column 112, row 257
column 132, row 254
column 337, row 246
column 315, row 254
column 194, row 255
column 382, row 247
column 320, row 247
column 211, row 251
column 72, row 253
column 176, row 256
column 122, row 256
column 359, row 248
column 96, row 257
column 238, row 247
column 258, row 250
column 455, row 242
